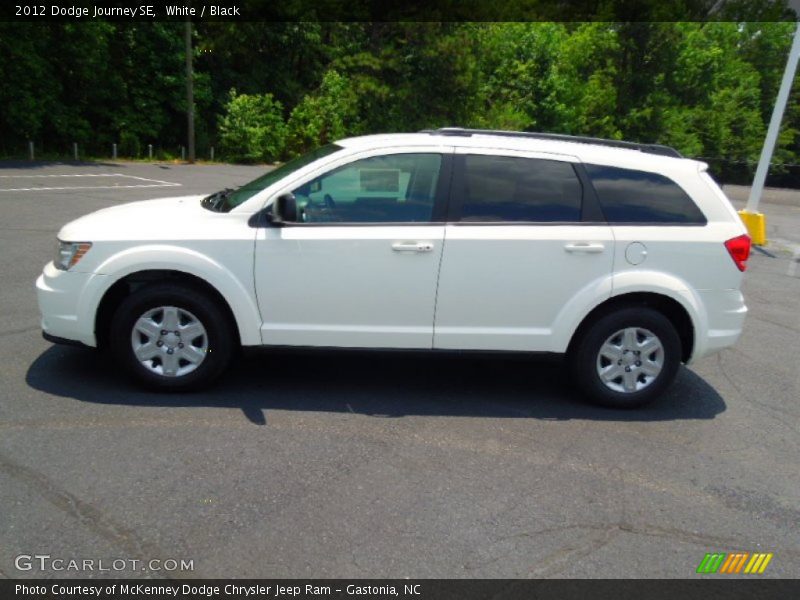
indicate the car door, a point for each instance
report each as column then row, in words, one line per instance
column 525, row 249
column 359, row 268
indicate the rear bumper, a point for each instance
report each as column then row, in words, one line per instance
column 725, row 315
column 65, row 313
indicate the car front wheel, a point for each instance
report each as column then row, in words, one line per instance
column 627, row 358
column 171, row 338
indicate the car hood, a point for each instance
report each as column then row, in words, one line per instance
column 145, row 219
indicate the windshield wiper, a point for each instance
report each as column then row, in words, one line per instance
column 217, row 200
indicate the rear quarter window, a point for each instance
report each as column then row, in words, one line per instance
column 631, row 196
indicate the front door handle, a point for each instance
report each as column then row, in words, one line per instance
column 412, row 246
column 585, row 247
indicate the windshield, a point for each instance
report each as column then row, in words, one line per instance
column 225, row 200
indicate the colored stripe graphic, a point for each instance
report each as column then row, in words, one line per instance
column 711, row 562
column 758, row 564
column 733, row 563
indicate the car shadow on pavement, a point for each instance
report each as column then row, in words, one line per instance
column 385, row 384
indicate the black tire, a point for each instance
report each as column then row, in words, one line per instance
column 583, row 359
column 219, row 333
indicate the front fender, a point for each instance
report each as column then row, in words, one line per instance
column 235, row 287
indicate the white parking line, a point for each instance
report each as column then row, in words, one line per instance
column 87, row 187
column 154, row 182
column 68, row 175
column 144, row 179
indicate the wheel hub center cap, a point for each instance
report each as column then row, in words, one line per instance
column 171, row 340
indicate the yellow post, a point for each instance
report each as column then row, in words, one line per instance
column 756, row 224
column 754, row 220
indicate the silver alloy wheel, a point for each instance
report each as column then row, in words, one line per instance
column 169, row 341
column 630, row 360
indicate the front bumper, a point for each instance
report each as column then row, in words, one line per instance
column 62, row 303
column 54, row 339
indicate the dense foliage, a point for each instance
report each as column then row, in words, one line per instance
column 252, row 128
column 266, row 91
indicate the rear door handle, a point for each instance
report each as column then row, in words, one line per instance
column 412, row 246
column 585, row 247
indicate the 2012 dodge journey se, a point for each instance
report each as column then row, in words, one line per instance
column 624, row 257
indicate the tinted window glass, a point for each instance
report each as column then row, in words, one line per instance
column 249, row 190
column 502, row 188
column 398, row 188
column 629, row 196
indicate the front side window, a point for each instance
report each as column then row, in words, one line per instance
column 504, row 188
column 225, row 200
column 397, row 188
column 630, row 196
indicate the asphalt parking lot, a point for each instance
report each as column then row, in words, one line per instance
column 361, row 465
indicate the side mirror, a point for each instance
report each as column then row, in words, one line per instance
column 284, row 210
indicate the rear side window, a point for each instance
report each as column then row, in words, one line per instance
column 504, row 188
column 630, row 196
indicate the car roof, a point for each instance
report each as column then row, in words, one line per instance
column 585, row 151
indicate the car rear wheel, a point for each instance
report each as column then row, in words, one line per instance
column 171, row 338
column 626, row 358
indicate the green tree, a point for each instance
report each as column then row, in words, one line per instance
column 30, row 86
column 252, row 128
column 515, row 61
column 330, row 113
column 707, row 88
column 409, row 76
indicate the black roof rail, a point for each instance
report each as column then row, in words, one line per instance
column 559, row 137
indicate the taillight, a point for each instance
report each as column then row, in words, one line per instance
column 739, row 249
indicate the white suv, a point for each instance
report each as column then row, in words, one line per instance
column 625, row 257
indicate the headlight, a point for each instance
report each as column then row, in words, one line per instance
column 69, row 253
